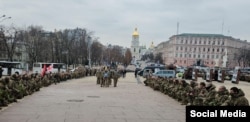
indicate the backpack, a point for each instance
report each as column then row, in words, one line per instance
column 105, row 75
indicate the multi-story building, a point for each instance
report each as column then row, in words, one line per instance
column 201, row 49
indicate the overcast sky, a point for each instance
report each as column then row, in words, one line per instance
column 113, row 21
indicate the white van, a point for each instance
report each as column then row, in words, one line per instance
column 165, row 73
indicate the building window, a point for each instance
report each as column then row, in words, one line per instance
column 199, row 49
column 213, row 49
column 198, row 55
column 208, row 49
column 217, row 56
column 134, row 49
column 208, row 42
column 212, row 56
column 186, row 41
column 194, row 56
column 222, row 50
column 184, row 61
column 222, row 43
column 218, row 50
column 195, row 42
column 189, row 55
column 204, row 49
column 181, row 48
column 204, row 41
column 176, row 48
column 185, row 48
column 203, row 56
column 181, row 55
column 200, row 42
column 207, row 56
column 190, row 41
column 181, row 41
column 194, row 49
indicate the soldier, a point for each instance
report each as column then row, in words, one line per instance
column 221, row 96
column 98, row 76
column 192, row 93
column 237, row 98
column 116, row 76
column 198, row 101
column 105, row 81
column 209, row 100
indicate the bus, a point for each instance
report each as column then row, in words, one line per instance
column 49, row 67
column 10, row 68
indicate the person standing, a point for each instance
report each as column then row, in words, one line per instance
column 124, row 73
column 115, row 77
column 1, row 71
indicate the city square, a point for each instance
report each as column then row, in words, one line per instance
column 124, row 61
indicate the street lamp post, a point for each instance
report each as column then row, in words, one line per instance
column 89, row 50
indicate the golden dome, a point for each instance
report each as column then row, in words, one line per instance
column 135, row 33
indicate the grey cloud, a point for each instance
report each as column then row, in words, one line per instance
column 113, row 21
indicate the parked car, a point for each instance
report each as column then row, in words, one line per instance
column 153, row 69
column 165, row 73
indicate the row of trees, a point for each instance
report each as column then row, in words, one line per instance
column 153, row 58
column 70, row 46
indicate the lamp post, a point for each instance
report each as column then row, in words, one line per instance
column 89, row 50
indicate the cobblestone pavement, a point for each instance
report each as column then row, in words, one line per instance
column 81, row 100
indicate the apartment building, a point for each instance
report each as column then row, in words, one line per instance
column 201, row 49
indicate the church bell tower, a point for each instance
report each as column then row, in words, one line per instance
column 135, row 48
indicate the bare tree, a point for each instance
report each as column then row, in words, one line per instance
column 128, row 57
column 158, row 58
column 9, row 38
column 96, row 52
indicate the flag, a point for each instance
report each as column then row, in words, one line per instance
column 50, row 68
column 44, row 70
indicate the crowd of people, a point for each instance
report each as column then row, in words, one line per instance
column 106, row 74
column 17, row 86
column 198, row 94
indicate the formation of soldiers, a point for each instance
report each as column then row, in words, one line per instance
column 105, row 75
column 198, row 94
column 17, row 86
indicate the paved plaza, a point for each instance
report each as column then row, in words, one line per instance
column 81, row 100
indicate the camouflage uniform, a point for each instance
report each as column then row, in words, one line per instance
column 202, row 91
column 236, row 99
column 116, row 76
column 221, row 96
column 210, row 96
column 98, row 76
column 192, row 93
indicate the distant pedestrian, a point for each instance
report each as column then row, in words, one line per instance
column 136, row 71
column 124, row 73
column 1, row 71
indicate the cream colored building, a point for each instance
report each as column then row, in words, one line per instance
column 203, row 49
